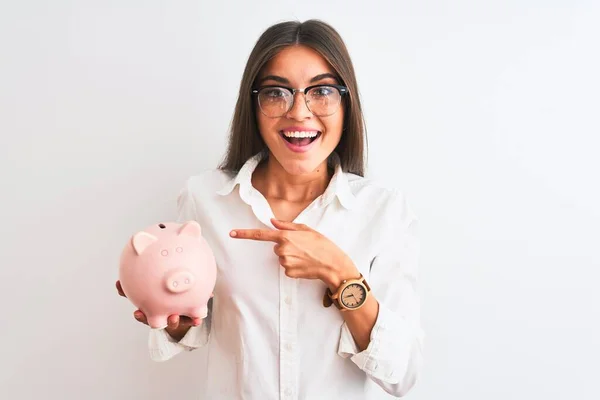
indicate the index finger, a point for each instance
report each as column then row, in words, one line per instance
column 265, row 235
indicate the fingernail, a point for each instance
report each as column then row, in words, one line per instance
column 233, row 233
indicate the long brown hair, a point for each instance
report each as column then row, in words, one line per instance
column 245, row 139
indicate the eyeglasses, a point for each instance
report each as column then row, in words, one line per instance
column 321, row 100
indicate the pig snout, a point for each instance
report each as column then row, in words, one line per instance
column 179, row 280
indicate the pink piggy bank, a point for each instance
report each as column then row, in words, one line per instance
column 166, row 269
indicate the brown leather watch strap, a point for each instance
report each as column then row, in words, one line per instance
column 326, row 299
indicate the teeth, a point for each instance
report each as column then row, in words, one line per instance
column 299, row 134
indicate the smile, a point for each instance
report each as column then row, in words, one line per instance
column 300, row 141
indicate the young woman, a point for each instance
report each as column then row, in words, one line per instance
column 316, row 296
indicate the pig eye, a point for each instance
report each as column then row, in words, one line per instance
column 161, row 226
column 164, row 252
column 179, row 249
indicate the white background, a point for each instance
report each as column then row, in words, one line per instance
column 484, row 113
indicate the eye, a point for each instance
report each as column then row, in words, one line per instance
column 274, row 93
column 321, row 91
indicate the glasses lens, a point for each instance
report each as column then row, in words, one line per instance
column 274, row 101
column 323, row 100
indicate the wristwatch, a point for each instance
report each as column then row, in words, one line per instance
column 350, row 295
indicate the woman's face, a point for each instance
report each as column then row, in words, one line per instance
column 299, row 67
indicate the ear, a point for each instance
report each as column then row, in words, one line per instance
column 141, row 241
column 191, row 228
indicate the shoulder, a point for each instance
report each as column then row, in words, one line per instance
column 381, row 197
column 207, row 182
column 201, row 190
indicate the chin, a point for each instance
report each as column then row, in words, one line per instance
column 300, row 167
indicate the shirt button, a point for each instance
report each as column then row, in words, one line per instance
column 289, row 347
column 288, row 392
column 288, row 300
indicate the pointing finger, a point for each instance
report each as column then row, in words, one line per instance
column 257, row 234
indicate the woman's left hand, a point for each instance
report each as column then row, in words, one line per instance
column 304, row 252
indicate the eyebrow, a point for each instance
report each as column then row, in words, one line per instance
column 283, row 80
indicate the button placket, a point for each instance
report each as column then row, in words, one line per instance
column 288, row 363
column 288, row 324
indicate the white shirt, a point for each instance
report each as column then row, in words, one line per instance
column 268, row 336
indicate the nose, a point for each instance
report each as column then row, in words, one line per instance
column 179, row 280
column 299, row 110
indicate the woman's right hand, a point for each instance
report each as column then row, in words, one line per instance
column 178, row 325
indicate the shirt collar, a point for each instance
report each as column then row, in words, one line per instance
column 338, row 185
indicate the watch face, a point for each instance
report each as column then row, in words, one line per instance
column 353, row 295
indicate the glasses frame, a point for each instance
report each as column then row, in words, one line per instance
column 343, row 90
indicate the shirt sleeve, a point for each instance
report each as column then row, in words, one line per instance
column 161, row 345
column 393, row 358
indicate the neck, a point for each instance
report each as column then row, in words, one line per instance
column 273, row 181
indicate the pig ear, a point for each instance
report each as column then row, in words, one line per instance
column 191, row 228
column 141, row 241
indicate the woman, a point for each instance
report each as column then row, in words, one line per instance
column 316, row 294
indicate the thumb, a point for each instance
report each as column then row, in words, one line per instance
column 120, row 289
column 173, row 321
column 288, row 226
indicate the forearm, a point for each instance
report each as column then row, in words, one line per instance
column 360, row 322
column 178, row 333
